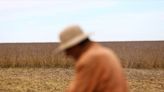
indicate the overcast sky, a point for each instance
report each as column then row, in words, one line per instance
column 110, row 20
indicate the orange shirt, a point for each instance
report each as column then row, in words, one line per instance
column 98, row 70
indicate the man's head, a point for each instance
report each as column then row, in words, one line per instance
column 78, row 49
column 73, row 40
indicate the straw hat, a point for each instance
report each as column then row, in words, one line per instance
column 71, row 36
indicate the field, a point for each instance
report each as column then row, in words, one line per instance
column 57, row 79
column 144, row 54
column 32, row 67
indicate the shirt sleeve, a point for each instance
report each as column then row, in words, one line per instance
column 86, row 77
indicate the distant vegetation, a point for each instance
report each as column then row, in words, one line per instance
column 139, row 54
column 142, row 54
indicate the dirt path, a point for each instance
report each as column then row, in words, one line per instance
column 56, row 80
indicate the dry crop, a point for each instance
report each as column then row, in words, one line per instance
column 57, row 79
column 142, row 54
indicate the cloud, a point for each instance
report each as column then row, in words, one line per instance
column 56, row 4
column 18, row 9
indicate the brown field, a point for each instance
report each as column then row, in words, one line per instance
column 142, row 54
column 139, row 54
column 32, row 67
column 57, row 79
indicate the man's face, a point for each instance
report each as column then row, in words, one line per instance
column 73, row 51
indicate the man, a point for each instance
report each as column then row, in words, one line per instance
column 97, row 68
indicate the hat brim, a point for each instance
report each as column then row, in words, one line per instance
column 71, row 43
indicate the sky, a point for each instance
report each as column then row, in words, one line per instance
column 109, row 20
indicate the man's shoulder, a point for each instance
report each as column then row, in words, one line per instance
column 96, row 53
column 99, row 51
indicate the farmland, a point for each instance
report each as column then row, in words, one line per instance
column 33, row 67
column 132, row 54
column 57, row 79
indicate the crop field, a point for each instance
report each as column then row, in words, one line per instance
column 57, row 79
column 143, row 54
column 32, row 67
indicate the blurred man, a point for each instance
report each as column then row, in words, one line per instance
column 97, row 68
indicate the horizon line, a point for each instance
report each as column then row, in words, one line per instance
column 92, row 40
